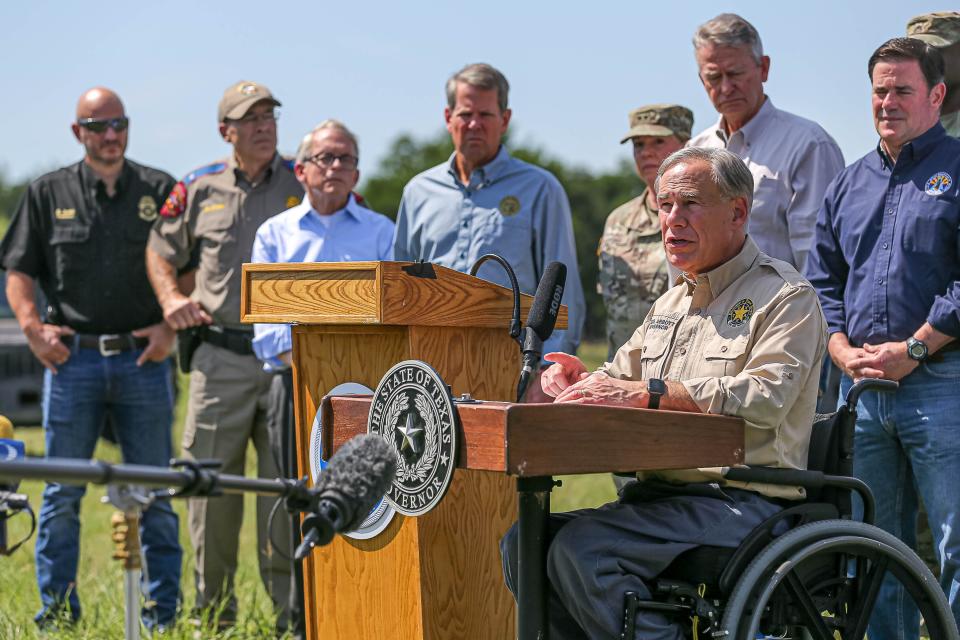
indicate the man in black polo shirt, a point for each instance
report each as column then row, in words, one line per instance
column 81, row 232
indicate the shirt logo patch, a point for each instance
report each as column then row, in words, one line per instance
column 660, row 323
column 292, row 201
column 65, row 214
column 213, row 206
column 147, row 209
column 509, row 206
column 938, row 183
column 176, row 202
column 740, row 312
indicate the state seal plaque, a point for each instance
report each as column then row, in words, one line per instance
column 413, row 411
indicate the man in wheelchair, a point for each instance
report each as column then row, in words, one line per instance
column 742, row 335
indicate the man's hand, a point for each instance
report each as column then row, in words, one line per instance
column 161, row 337
column 182, row 313
column 850, row 359
column 889, row 360
column 286, row 358
column 599, row 388
column 565, row 371
column 44, row 341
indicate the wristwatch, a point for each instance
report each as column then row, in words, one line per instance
column 655, row 388
column 917, row 350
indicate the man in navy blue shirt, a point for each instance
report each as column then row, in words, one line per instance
column 886, row 265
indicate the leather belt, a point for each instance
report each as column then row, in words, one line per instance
column 235, row 340
column 108, row 344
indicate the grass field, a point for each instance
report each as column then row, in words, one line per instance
column 100, row 578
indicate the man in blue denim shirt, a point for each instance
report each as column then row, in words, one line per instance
column 886, row 266
column 484, row 201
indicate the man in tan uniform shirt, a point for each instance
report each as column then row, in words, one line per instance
column 743, row 335
column 941, row 29
column 214, row 214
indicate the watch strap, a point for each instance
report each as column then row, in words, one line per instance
column 655, row 389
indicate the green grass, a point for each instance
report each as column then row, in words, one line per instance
column 100, row 578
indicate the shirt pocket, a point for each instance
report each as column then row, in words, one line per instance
column 216, row 237
column 653, row 355
column 73, row 256
column 931, row 228
column 722, row 356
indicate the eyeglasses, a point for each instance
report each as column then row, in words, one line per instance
column 326, row 160
column 100, row 125
column 266, row 118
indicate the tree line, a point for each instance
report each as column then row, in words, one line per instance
column 592, row 197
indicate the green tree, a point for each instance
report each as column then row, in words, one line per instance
column 10, row 193
column 592, row 198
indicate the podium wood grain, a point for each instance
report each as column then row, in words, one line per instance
column 437, row 576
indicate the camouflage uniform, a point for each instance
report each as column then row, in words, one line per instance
column 940, row 29
column 633, row 265
column 633, row 268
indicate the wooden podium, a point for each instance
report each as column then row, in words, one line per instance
column 438, row 576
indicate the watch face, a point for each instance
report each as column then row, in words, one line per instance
column 917, row 350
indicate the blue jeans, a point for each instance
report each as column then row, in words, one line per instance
column 138, row 401
column 906, row 448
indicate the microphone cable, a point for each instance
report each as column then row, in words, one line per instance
column 515, row 321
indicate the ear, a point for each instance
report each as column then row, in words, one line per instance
column 76, row 132
column 764, row 68
column 298, row 171
column 447, row 115
column 938, row 94
column 223, row 131
column 506, row 119
column 740, row 211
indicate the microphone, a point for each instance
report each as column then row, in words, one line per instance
column 355, row 479
column 541, row 320
column 10, row 501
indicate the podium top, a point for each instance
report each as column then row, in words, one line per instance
column 384, row 293
column 561, row 439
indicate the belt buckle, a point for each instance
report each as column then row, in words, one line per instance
column 102, row 341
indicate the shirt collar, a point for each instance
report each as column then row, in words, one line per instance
column 754, row 126
column 717, row 280
column 304, row 208
column 916, row 149
column 487, row 173
column 239, row 175
column 94, row 181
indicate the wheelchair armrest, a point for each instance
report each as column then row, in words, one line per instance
column 807, row 479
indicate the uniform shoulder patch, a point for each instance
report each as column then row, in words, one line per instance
column 740, row 312
column 288, row 162
column 207, row 170
column 176, row 202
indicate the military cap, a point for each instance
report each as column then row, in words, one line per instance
column 239, row 97
column 660, row 120
column 939, row 29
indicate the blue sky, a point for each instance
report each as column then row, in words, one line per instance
column 575, row 69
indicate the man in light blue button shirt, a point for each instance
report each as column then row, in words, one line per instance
column 484, row 201
column 327, row 226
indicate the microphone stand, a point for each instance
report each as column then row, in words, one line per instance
column 133, row 488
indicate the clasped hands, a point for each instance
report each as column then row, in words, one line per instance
column 568, row 380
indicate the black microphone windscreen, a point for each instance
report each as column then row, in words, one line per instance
column 360, row 472
column 546, row 302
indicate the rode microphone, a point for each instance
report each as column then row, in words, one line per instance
column 355, row 479
column 541, row 321
column 10, row 501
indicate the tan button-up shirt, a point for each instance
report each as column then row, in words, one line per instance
column 747, row 340
column 216, row 211
column 792, row 161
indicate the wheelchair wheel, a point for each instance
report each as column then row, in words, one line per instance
column 823, row 578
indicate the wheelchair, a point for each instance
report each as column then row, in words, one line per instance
column 817, row 580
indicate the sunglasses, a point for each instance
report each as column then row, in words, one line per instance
column 99, row 126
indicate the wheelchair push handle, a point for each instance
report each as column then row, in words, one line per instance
column 868, row 384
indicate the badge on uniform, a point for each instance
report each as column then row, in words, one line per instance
column 293, row 201
column 740, row 312
column 509, row 206
column 938, row 183
column 147, row 209
column 64, row 214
